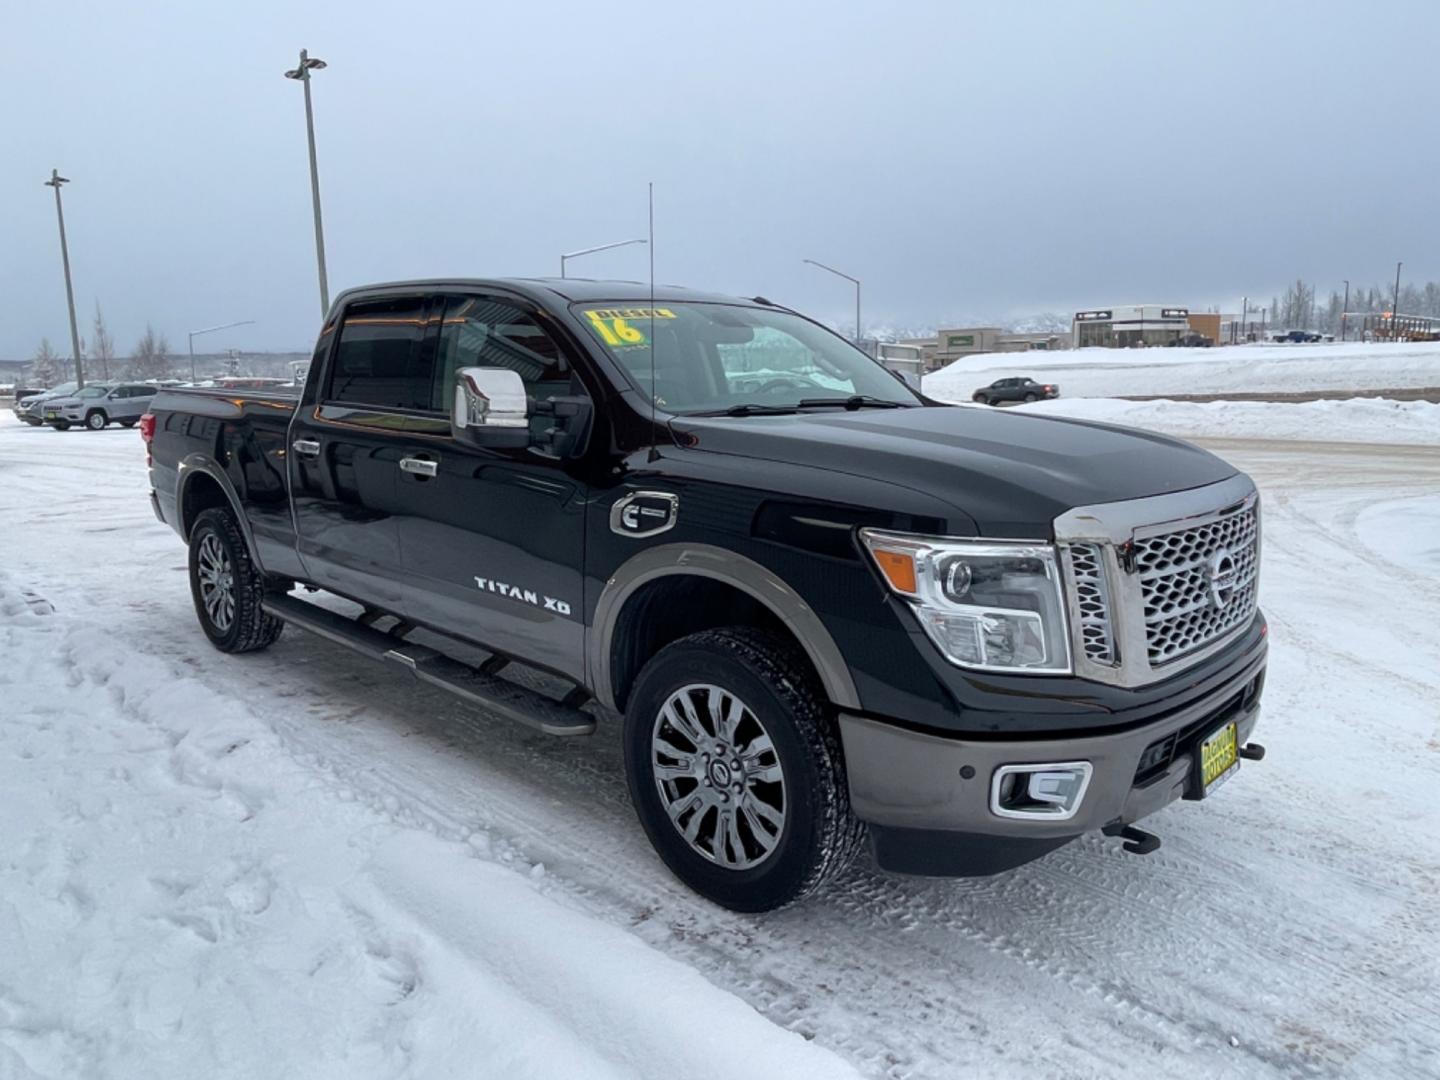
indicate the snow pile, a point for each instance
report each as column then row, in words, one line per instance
column 182, row 895
column 1227, row 369
column 1359, row 420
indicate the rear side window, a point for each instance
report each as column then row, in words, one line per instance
column 379, row 360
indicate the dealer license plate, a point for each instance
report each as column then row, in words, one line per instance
column 1219, row 758
column 51, row 414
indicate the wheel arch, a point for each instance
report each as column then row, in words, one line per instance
column 203, row 485
column 615, row 653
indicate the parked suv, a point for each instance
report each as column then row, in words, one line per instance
column 99, row 404
column 1002, row 390
column 29, row 409
column 825, row 610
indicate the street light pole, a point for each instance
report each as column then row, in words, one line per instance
column 1344, row 309
column 1395, row 311
column 193, row 334
column 854, row 281
column 308, row 64
column 592, row 250
column 55, row 181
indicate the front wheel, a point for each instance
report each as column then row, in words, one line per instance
column 227, row 587
column 62, row 425
column 96, row 421
column 981, row 399
column 736, row 771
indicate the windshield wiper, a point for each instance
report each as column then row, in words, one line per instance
column 747, row 410
column 853, row 402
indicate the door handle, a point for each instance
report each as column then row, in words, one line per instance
column 308, row 447
column 419, row 466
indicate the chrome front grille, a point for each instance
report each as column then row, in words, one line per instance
column 1197, row 584
column 1092, row 602
column 1158, row 583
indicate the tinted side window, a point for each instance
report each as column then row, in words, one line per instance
column 379, row 360
column 478, row 331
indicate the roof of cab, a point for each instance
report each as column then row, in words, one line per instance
column 567, row 290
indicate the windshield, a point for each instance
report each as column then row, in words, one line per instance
column 722, row 357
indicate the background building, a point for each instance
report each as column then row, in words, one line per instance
column 948, row 345
column 1132, row 325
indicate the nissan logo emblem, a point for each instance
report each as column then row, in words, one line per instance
column 1222, row 573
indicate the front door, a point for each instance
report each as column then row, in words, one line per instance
column 492, row 541
column 346, row 443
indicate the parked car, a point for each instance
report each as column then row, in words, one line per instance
column 1297, row 336
column 793, row 596
column 27, row 409
column 1191, row 340
column 1003, row 390
column 99, row 404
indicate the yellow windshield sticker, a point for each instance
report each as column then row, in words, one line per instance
column 617, row 326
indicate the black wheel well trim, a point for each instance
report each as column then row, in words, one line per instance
column 196, row 465
column 730, row 568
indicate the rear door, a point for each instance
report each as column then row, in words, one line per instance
column 492, row 540
column 347, row 439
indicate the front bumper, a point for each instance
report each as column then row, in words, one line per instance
column 927, row 797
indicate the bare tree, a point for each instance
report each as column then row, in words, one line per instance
column 45, row 366
column 103, row 343
column 151, row 356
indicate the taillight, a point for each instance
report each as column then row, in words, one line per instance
column 147, row 435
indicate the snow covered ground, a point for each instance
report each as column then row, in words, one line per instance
column 1358, row 420
column 1237, row 368
column 297, row 863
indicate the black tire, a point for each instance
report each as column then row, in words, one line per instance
column 819, row 836
column 1030, row 397
column 981, row 399
column 127, row 423
column 248, row 627
column 62, row 425
column 96, row 420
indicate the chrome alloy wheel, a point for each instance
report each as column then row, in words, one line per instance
column 719, row 776
column 217, row 582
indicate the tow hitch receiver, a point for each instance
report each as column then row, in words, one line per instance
column 1252, row 752
column 1137, row 841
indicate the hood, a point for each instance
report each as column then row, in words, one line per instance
column 1013, row 473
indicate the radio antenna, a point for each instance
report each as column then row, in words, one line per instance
column 654, row 453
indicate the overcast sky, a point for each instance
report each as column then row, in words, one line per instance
column 963, row 159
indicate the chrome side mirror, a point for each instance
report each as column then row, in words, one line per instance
column 490, row 407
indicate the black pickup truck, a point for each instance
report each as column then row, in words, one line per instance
column 830, row 609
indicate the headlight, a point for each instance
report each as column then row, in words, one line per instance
column 991, row 605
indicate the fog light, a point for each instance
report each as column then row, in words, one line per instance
column 1050, row 792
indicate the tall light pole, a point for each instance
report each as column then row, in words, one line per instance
column 592, row 250
column 1344, row 309
column 854, row 281
column 1395, row 312
column 55, row 181
column 308, row 64
column 193, row 334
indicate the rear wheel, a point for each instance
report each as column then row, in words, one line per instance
column 96, row 420
column 227, row 587
column 736, row 772
column 1030, row 397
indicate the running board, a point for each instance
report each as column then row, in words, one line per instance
column 488, row 691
